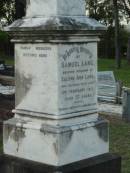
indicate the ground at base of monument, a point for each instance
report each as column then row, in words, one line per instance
column 107, row 163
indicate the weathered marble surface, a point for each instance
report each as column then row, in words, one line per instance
column 56, row 23
column 55, row 7
column 55, row 145
column 56, row 79
column 107, row 86
column 56, row 120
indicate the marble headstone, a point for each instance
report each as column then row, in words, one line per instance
column 107, row 86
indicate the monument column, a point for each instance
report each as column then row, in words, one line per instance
column 56, row 120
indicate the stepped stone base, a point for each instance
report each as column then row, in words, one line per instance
column 107, row 163
column 56, row 143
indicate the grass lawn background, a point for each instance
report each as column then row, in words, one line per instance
column 8, row 60
column 122, row 74
column 119, row 130
column 120, row 141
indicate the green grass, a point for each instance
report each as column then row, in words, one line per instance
column 122, row 74
column 119, row 130
column 8, row 60
column 120, row 141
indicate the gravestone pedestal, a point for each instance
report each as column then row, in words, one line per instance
column 56, row 121
column 107, row 163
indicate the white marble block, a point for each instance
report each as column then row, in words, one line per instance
column 56, row 80
column 55, row 7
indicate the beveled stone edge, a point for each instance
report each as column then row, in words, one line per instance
column 45, row 128
column 56, row 117
column 57, row 23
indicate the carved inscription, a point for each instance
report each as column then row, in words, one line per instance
column 78, row 78
column 67, row 71
column 35, row 51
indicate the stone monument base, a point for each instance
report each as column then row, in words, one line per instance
column 61, row 142
column 106, row 163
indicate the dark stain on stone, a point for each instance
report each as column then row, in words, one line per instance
column 17, row 134
column 14, row 132
column 103, row 131
column 62, row 135
column 23, row 86
column 63, row 142
column 42, row 130
column 55, row 145
column 64, row 23
column 7, row 131
column 47, row 130
column 27, row 3
column 65, row 139
column 56, row 24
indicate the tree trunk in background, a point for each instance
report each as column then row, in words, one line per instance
column 117, row 41
column 128, row 51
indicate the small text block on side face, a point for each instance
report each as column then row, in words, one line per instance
column 36, row 78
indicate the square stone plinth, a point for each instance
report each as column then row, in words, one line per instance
column 55, row 145
column 106, row 163
column 56, row 79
